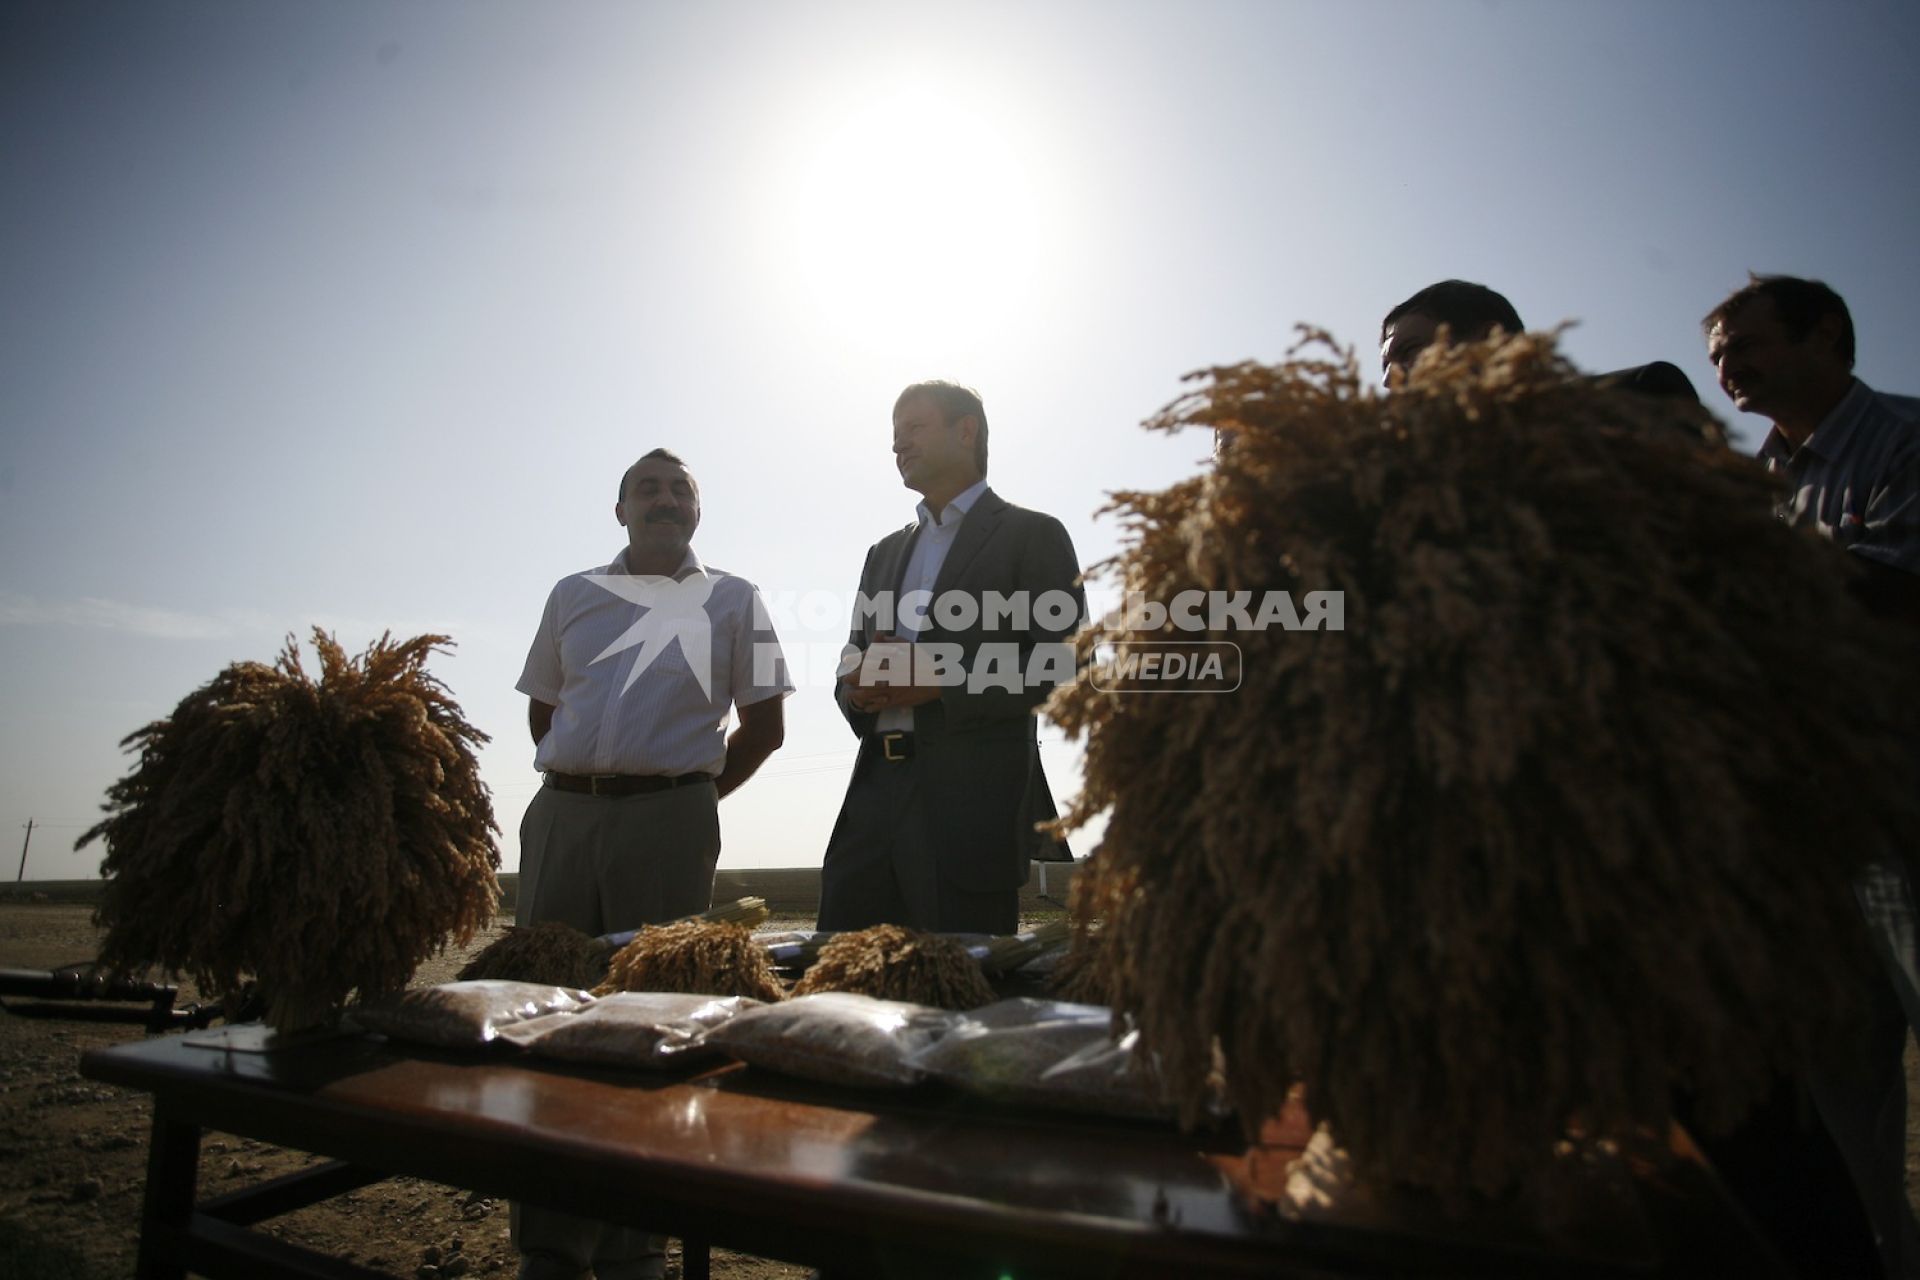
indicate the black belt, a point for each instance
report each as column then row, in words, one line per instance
column 896, row 745
column 622, row 784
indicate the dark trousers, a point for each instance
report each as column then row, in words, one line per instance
column 882, row 867
column 1784, row 1169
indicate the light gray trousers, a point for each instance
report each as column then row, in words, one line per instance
column 604, row 865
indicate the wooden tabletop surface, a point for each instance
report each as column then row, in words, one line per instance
column 824, row 1175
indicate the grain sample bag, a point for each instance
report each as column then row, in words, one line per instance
column 464, row 1015
column 835, row 1037
column 1046, row 1053
column 652, row 1029
column 791, row 949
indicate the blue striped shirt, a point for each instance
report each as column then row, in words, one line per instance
column 1857, row 477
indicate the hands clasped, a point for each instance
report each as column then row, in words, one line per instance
column 891, row 672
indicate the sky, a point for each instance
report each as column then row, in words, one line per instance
column 350, row 315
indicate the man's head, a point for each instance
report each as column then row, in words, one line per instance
column 1783, row 347
column 660, row 507
column 940, row 438
column 1469, row 312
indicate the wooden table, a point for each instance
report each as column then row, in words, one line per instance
column 917, row 1185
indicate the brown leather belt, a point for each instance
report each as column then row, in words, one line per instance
column 622, row 784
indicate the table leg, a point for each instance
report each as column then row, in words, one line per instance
column 173, row 1163
column 696, row 1258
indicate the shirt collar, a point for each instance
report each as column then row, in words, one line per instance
column 1829, row 440
column 962, row 502
column 689, row 564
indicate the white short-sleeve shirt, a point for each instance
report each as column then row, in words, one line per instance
column 642, row 671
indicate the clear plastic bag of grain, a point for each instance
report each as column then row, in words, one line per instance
column 835, row 1037
column 648, row 1029
column 1047, row 1053
column 792, row 949
column 464, row 1015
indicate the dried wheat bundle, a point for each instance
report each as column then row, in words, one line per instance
column 889, row 962
column 1009, row 952
column 548, row 952
column 1081, row 975
column 697, row 957
column 561, row 954
column 323, row 835
column 750, row 912
column 1562, row 817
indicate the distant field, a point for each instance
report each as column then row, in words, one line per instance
column 789, row 891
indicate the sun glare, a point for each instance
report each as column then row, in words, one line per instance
column 918, row 216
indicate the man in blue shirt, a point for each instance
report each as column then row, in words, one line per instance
column 1783, row 348
column 1850, row 459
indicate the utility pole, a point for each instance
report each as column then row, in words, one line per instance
column 23, row 853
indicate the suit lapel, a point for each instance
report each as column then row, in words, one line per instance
column 979, row 525
column 889, row 567
column 893, row 573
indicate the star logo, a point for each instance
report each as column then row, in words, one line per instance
column 675, row 611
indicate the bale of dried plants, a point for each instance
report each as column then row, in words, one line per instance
column 715, row 958
column 1081, row 974
column 549, row 952
column 321, row 835
column 1564, row 815
column 890, row 962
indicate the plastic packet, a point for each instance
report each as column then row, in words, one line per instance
column 834, row 1037
column 1046, row 1053
column 1044, row 961
column 628, row 1029
column 792, row 948
column 464, row 1015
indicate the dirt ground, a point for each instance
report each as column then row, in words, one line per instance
column 73, row 1155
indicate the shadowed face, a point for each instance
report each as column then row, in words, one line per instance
column 661, row 508
column 1762, row 368
column 1402, row 342
column 932, row 453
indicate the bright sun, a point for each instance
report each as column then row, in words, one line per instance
column 917, row 215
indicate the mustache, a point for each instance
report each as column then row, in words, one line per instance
column 665, row 517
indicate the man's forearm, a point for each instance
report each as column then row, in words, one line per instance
column 747, row 749
column 539, row 719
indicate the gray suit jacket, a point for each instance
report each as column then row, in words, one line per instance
column 977, row 747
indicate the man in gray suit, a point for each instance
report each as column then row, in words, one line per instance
column 960, row 634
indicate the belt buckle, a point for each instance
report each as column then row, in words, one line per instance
column 891, row 739
column 593, row 783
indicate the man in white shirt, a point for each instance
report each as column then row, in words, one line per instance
column 629, row 682
column 937, row 827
